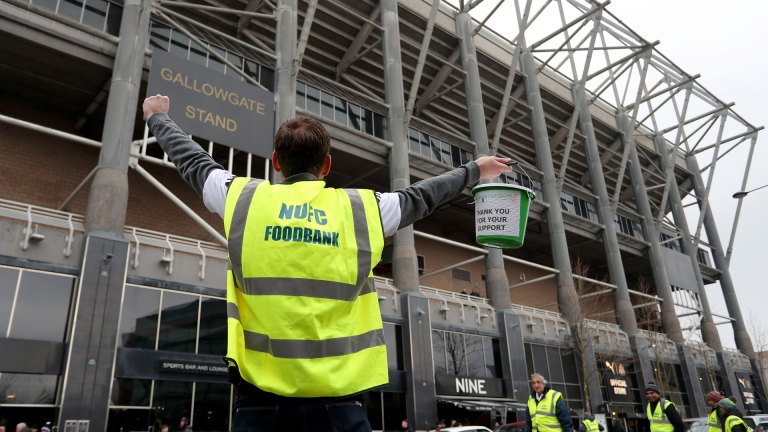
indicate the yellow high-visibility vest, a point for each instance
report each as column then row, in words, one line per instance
column 714, row 423
column 591, row 425
column 658, row 418
column 732, row 421
column 543, row 414
column 302, row 311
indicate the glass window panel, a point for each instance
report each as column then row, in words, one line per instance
column 179, row 44
column 574, row 392
column 251, row 69
column 326, row 105
column 212, row 403
column 213, row 327
column 138, row 318
column 475, row 361
column 340, row 107
column 555, row 366
column 160, row 36
column 238, row 62
column 313, row 99
column 457, row 353
column 95, row 14
column 455, row 156
column 267, row 77
column 178, row 322
column 529, row 359
column 379, row 126
column 301, row 95
column 114, row 15
column 27, row 388
column 213, row 62
column 128, row 420
column 435, row 145
column 424, row 145
column 42, row 307
column 390, row 338
column 413, row 140
column 172, row 400
column 438, row 351
column 197, row 53
column 466, row 157
column 47, row 4
column 130, row 392
column 445, row 152
column 493, row 369
column 569, row 367
column 71, row 9
column 368, row 121
column 354, row 116
column 540, row 360
column 8, row 279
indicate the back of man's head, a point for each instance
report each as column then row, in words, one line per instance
column 301, row 145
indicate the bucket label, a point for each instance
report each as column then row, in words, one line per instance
column 497, row 213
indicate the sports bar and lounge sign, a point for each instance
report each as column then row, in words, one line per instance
column 214, row 106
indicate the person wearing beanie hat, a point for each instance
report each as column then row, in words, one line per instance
column 662, row 414
column 544, row 399
column 713, row 398
column 730, row 416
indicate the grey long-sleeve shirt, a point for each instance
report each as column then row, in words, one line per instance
column 210, row 180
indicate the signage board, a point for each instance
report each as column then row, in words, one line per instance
column 469, row 386
column 217, row 107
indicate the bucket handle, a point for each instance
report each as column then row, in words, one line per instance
column 531, row 193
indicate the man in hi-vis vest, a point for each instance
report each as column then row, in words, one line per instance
column 662, row 414
column 713, row 398
column 305, row 336
column 547, row 411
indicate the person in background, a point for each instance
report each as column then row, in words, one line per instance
column 589, row 424
column 184, row 425
column 305, row 335
column 730, row 417
column 164, row 428
column 662, row 414
column 547, row 411
column 713, row 398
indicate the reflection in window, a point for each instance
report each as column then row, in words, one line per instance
column 71, row 9
column 475, row 361
column 27, row 388
column 172, row 400
column 438, row 351
column 212, row 406
column 9, row 278
column 456, row 353
column 138, row 320
column 42, row 307
column 131, row 392
column 178, row 322
column 213, row 327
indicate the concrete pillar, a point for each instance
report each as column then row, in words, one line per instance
column 496, row 282
column 285, row 69
column 421, row 405
column 85, row 392
column 567, row 297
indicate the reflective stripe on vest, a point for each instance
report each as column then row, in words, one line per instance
column 658, row 419
column 304, row 318
column 732, row 421
column 544, row 415
column 714, row 423
column 591, row 425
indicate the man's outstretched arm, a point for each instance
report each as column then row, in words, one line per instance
column 194, row 163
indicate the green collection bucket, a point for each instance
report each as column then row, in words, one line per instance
column 501, row 214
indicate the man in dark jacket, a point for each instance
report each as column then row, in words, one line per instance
column 662, row 413
column 538, row 416
column 730, row 417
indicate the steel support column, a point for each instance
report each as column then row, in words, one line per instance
column 741, row 336
column 285, row 67
column 567, row 297
column 625, row 314
column 669, row 319
column 91, row 348
column 496, row 282
column 421, row 405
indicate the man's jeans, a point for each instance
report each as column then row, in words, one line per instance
column 254, row 414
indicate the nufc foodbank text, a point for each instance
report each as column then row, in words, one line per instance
column 298, row 233
column 211, row 90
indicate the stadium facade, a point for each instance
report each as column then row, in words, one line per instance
column 112, row 274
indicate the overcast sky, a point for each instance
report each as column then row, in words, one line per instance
column 726, row 43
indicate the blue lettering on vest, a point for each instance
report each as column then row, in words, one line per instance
column 276, row 232
column 307, row 235
column 317, row 238
column 285, row 211
column 320, row 217
column 303, row 211
column 298, row 235
column 301, row 234
column 287, row 231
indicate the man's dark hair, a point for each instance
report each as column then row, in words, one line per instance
column 301, row 145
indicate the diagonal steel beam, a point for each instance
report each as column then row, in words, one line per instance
column 308, row 18
column 358, row 42
column 741, row 200
column 568, row 25
column 252, row 6
column 422, row 59
column 428, row 95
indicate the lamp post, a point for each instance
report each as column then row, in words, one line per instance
column 742, row 194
